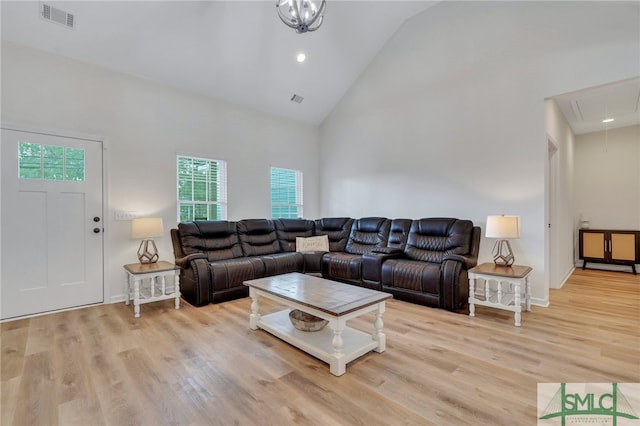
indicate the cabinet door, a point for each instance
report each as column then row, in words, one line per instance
column 623, row 246
column 593, row 245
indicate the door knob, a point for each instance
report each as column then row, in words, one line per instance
column 96, row 219
column 96, row 230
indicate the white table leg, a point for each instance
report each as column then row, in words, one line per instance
column 127, row 289
column 378, row 324
column 255, row 310
column 472, row 296
column 527, row 294
column 164, row 285
column 337, row 366
column 487, row 287
column 517, row 303
column 136, row 297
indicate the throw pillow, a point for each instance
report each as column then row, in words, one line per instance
column 319, row 243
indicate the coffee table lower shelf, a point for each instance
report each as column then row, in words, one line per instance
column 337, row 303
column 319, row 343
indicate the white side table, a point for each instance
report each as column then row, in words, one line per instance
column 510, row 297
column 159, row 288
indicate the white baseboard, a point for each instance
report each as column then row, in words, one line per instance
column 540, row 302
column 118, row 298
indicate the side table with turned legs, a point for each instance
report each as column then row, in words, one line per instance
column 510, row 292
column 160, row 287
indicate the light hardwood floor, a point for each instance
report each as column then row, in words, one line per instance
column 203, row 366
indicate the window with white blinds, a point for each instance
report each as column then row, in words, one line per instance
column 286, row 193
column 202, row 189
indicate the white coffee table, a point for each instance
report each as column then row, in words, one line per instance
column 335, row 302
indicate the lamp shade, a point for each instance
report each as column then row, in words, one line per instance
column 146, row 227
column 503, row 227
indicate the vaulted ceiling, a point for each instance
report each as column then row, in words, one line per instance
column 237, row 51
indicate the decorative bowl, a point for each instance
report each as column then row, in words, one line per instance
column 306, row 322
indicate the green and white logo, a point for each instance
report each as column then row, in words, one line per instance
column 588, row 403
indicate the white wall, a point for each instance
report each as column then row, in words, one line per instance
column 448, row 120
column 561, row 236
column 147, row 124
column 607, row 178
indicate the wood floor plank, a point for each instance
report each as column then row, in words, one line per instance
column 204, row 366
column 12, row 349
column 36, row 401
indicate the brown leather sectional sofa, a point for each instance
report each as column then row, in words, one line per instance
column 423, row 261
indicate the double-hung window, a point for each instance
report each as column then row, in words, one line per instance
column 286, row 193
column 202, row 189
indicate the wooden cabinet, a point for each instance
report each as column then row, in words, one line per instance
column 610, row 246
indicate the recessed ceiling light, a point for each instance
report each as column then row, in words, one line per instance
column 607, row 120
column 301, row 57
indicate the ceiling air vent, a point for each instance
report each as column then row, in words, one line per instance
column 57, row 15
column 297, row 99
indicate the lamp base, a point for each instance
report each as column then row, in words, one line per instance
column 148, row 254
column 502, row 254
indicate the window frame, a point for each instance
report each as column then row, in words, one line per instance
column 220, row 204
column 299, row 194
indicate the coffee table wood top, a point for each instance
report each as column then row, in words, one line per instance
column 328, row 296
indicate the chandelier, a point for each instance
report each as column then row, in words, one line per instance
column 301, row 15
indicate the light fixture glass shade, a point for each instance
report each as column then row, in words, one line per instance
column 502, row 227
column 147, row 228
column 301, row 15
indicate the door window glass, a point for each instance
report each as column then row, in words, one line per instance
column 50, row 162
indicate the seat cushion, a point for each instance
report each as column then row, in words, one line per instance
column 423, row 277
column 282, row 263
column 342, row 266
column 226, row 274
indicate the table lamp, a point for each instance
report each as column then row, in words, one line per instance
column 146, row 228
column 503, row 227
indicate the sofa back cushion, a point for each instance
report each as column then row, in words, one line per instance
column 258, row 237
column 368, row 233
column 337, row 229
column 287, row 230
column 217, row 239
column 398, row 233
column 433, row 238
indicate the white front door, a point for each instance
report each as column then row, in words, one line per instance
column 52, row 223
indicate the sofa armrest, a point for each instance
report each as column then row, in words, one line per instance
column 372, row 264
column 467, row 262
column 184, row 261
column 454, row 281
column 195, row 280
